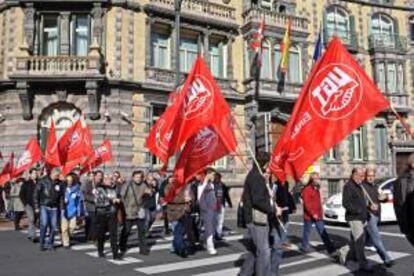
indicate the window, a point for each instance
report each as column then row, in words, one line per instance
column 358, row 145
column 156, row 112
column 188, row 53
column 382, row 29
column 266, row 71
column 295, row 68
column 220, row 164
column 412, row 29
column 333, row 187
column 218, row 59
column 389, row 77
column 332, row 154
column 337, row 23
column 381, row 144
column 160, row 51
column 50, row 35
column 294, row 74
column 80, row 32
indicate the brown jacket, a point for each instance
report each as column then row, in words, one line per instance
column 179, row 205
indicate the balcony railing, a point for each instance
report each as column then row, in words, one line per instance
column 276, row 19
column 201, row 8
column 400, row 101
column 349, row 38
column 49, row 66
column 386, row 42
column 166, row 78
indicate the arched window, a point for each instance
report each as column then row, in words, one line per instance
column 382, row 29
column 266, row 70
column 337, row 23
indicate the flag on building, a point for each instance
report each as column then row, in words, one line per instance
column 31, row 155
column 284, row 49
column 337, row 98
column 256, row 46
column 318, row 47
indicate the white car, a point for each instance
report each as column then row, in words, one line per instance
column 333, row 211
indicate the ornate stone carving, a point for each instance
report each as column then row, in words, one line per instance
column 62, row 95
column 93, row 99
column 25, row 99
column 29, row 25
column 97, row 14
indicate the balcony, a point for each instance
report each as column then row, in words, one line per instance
column 349, row 38
column 59, row 67
column 276, row 19
column 165, row 78
column 388, row 43
column 399, row 101
column 203, row 10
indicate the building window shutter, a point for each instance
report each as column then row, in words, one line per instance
column 351, row 147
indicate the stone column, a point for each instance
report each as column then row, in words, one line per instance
column 148, row 25
column 97, row 31
column 206, row 46
column 230, row 73
column 173, row 43
column 65, row 33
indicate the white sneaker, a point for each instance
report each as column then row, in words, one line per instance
column 370, row 248
column 212, row 252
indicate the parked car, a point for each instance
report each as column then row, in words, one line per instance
column 333, row 211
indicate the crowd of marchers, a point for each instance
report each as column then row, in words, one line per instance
column 101, row 203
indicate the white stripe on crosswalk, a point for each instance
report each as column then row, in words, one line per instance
column 189, row 264
column 336, row 269
column 346, row 229
column 125, row 261
column 235, row 270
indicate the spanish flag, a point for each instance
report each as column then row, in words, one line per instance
column 284, row 48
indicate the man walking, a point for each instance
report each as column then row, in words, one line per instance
column 47, row 199
column 312, row 214
column 374, row 215
column 355, row 204
column 223, row 197
column 26, row 196
column 131, row 196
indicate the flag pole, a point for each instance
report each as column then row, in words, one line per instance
column 404, row 124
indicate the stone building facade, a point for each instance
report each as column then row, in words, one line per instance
column 114, row 61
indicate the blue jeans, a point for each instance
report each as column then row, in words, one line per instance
column 276, row 235
column 48, row 219
column 375, row 238
column 320, row 227
column 179, row 233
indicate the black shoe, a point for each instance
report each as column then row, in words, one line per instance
column 144, row 251
column 35, row 240
column 122, row 253
column 118, row 257
column 101, row 255
column 389, row 264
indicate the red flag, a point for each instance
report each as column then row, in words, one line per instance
column 29, row 157
column 7, row 172
column 87, row 142
column 102, row 154
column 199, row 104
column 72, row 148
column 337, row 98
column 208, row 145
column 52, row 158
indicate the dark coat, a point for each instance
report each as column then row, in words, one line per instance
column 404, row 203
column 48, row 193
column 354, row 202
column 256, row 196
column 27, row 192
column 372, row 191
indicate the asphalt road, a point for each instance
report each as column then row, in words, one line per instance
column 18, row 257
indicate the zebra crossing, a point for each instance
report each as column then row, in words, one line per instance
column 226, row 263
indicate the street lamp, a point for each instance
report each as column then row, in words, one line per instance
column 177, row 9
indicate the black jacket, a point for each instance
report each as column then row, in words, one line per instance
column 354, row 202
column 372, row 191
column 48, row 193
column 222, row 194
column 27, row 191
column 404, row 203
column 256, row 196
